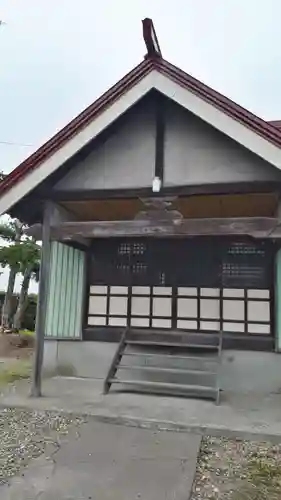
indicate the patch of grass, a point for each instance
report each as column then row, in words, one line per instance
column 238, row 469
column 13, row 371
column 27, row 332
column 263, row 480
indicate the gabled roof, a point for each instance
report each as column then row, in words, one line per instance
column 77, row 124
column 153, row 63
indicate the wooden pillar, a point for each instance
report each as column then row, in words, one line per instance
column 277, row 319
column 36, row 390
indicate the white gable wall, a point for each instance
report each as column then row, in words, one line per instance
column 125, row 160
column 197, row 153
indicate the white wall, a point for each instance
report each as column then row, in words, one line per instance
column 197, row 153
column 126, row 159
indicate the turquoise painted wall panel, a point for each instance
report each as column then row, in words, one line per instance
column 66, row 290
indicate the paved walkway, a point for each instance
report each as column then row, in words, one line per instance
column 136, row 460
column 109, row 462
column 247, row 415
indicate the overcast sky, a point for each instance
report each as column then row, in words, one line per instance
column 57, row 56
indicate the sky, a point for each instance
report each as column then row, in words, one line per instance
column 58, row 56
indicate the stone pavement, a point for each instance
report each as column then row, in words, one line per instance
column 247, row 415
column 109, row 462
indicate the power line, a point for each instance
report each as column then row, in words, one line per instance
column 21, row 144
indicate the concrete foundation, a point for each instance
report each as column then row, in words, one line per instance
column 77, row 358
column 241, row 371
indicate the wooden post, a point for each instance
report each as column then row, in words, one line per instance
column 42, row 303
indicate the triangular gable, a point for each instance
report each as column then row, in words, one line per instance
column 194, row 153
column 252, row 132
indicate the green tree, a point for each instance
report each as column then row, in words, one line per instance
column 11, row 233
column 29, row 267
column 21, row 254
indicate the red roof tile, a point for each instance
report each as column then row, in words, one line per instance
column 275, row 123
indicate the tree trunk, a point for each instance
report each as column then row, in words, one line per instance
column 22, row 303
column 7, row 306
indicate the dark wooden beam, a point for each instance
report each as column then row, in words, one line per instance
column 188, row 190
column 230, row 340
column 159, row 202
column 258, row 227
column 74, row 241
column 150, row 39
column 160, row 136
column 35, row 231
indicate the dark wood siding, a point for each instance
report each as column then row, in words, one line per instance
column 205, row 262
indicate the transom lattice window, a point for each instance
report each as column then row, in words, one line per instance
column 206, row 262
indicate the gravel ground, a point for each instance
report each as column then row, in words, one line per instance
column 238, row 470
column 24, row 435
